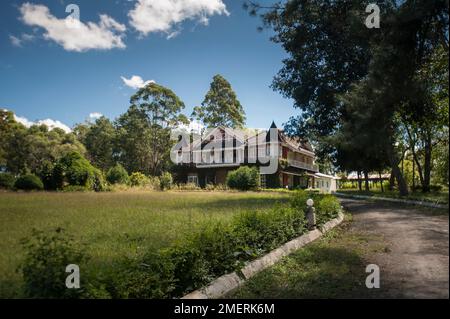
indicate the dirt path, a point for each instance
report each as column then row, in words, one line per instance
column 416, row 264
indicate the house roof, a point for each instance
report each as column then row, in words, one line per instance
column 320, row 175
column 295, row 144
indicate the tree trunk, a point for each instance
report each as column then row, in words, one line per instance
column 366, row 181
column 391, row 181
column 359, row 181
column 414, row 175
column 381, row 182
column 427, row 165
column 402, row 187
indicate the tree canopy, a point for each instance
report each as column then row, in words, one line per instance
column 220, row 106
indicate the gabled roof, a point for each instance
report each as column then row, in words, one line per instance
column 295, row 144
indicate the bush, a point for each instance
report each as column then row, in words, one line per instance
column 244, row 178
column 139, row 180
column 46, row 175
column 327, row 208
column 117, row 175
column 187, row 187
column 29, row 182
column 98, row 181
column 7, row 180
column 165, row 181
column 75, row 170
column 44, row 266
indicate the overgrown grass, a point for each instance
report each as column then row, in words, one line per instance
column 114, row 225
column 435, row 197
column 333, row 267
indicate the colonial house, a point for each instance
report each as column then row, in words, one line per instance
column 209, row 159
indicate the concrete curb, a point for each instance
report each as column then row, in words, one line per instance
column 394, row 200
column 225, row 284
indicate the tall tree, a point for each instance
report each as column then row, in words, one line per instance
column 100, row 143
column 144, row 130
column 220, row 106
column 330, row 51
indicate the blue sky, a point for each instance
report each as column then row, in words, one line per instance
column 44, row 73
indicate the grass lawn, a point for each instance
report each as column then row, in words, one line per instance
column 333, row 267
column 435, row 197
column 114, row 224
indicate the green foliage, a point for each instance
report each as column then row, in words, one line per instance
column 117, row 175
column 7, row 180
column 31, row 149
column 327, row 208
column 75, row 170
column 220, row 106
column 29, row 182
column 211, row 248
column 139, row 180
column 144, row 130
column 187, row 187
column 44, row 266
column 166, row 181
column 99, row 139
column 244, row 178
column 148, row 277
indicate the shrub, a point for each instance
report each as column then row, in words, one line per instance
column 98, row 181
column 187, row 187
column 7, row 180
column 244, row 178
column 73, row 169
column 44, row 266
column 327, row 208
column 29, row 182
column 117, row 175
column 165, row 181
column 46, row 175
column 139, row 180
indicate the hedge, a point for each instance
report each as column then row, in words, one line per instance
column 29, row 182
column 117, row 175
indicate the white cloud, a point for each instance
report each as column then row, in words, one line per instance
column 51, row 124
column 95, row 115
column 24, row 121
column 74, row 35
column 150, row 16
column 15, row 41
column 135, row 82
column 18, row 41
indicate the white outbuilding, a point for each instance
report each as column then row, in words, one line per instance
column 326, row 183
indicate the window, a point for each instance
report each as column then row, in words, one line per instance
column 192, row 179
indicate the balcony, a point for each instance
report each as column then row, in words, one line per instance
column 303, row 165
